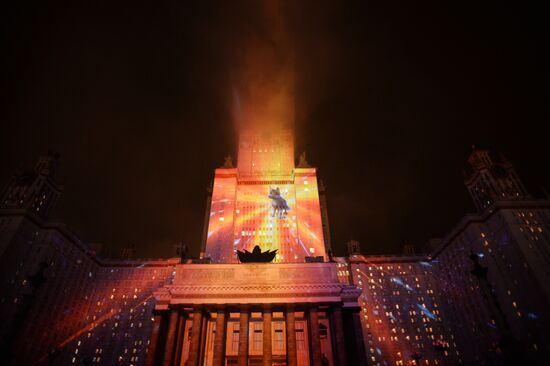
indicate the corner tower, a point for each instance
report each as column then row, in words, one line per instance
column 34, row 190
column 492, row 178
column 266, row 200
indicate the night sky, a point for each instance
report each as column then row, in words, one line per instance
column 388, row 100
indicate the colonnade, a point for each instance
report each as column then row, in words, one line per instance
column 167, row 339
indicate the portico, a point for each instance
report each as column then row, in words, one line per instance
column 292, row 314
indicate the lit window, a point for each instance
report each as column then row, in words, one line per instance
column 235, row 338
column 257, row 336
column 300, row 336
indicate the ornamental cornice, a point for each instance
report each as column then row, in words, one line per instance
column 240, row 289
column 332, row 296
column 286, row 283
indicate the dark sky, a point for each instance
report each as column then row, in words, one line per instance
column 389, row 98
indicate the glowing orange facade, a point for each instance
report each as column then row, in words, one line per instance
column 265, row 201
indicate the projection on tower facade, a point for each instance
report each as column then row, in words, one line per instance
column 265, row 201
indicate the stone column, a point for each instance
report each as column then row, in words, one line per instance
column 179, row 339
column 194, row 349
column 170, row 337
column 358, row 335
column 314, row 337
column 292, row 358
column 152, row 350
column 338, row 321
column 219, row 339
column 242, row 359
column 267, row 353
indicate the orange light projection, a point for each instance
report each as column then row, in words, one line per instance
column 265, row 202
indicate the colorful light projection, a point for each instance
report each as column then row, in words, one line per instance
column 274, row 214
column 219, row 239
column 265, row 221
column 265, row 201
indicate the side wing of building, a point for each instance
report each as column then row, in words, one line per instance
column 61, row 305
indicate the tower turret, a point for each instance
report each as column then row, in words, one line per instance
column 492, row 178
column 34, row 189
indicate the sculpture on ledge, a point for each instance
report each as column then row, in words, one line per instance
column 303, row 161
column 256, row 256
column 228, row 162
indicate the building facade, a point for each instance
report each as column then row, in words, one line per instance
column 481, row 296
column 435, row 307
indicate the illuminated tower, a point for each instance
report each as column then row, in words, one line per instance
column 492, row 179
column 265, row 201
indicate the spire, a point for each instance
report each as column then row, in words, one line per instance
column 47, row 164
